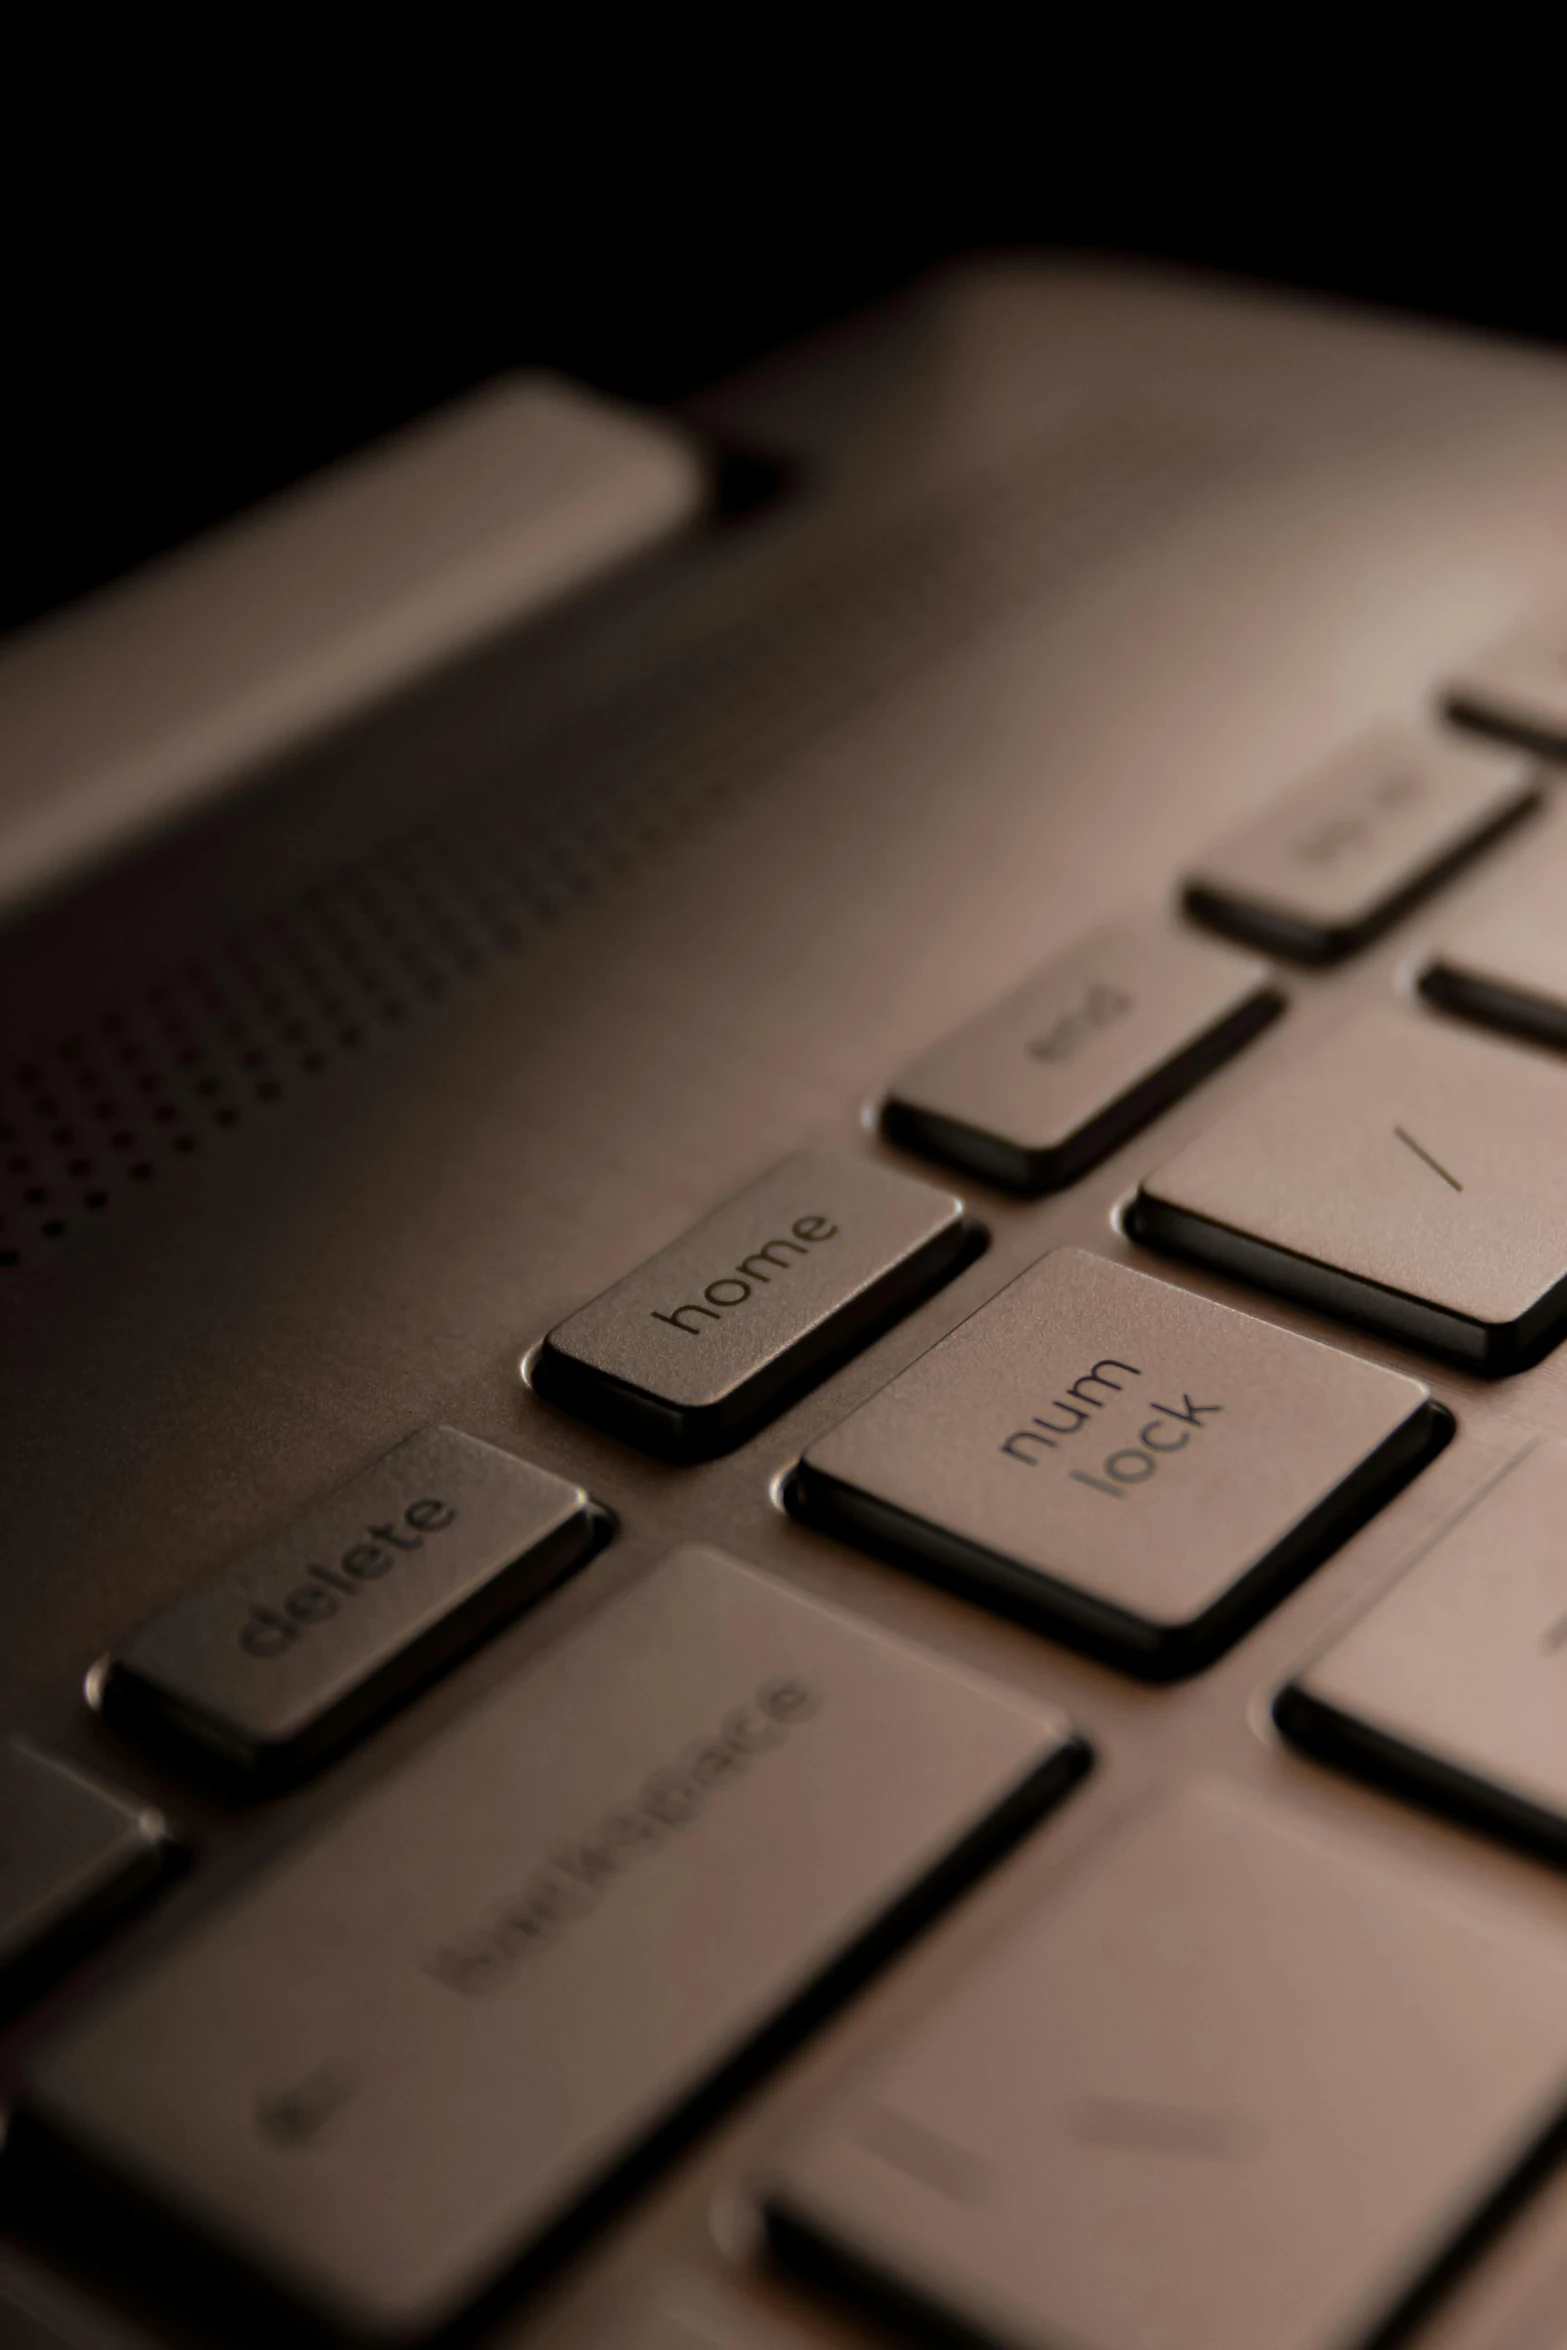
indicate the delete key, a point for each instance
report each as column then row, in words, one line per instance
column 1142, row 1471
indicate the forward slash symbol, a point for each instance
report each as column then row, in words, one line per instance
column 1434, row 1164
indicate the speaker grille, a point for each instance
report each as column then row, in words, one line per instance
column 153, row 1084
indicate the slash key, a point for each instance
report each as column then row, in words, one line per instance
column 1405, row 1175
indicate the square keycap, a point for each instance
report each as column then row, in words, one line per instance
column 1451, row 1684
column 1405, row 1174
column 1237, row 2088
column 1129, row 1463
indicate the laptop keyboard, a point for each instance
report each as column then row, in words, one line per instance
column 1192, row 2101
column 392, row 2064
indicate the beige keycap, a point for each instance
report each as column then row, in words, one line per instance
column 1517, row 690
column 1236, row 2087
column 300, row 1642
column 720, row 1330
column 1142, row 1470
column 1405, row 1174
column 1454, row 1684
column 1321, row 871
column 1108, row 1034
column 72, row 1853
column 395, row 2062
column 1505, row 964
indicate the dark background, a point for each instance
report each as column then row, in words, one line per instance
column 228, row 269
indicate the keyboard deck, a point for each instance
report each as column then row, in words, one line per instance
column 999, row 1767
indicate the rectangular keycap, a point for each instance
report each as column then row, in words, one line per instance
column 299, row 1642
column 1236, row 2088
column 1454, row 1683
column 1322, row 871
column 1043, row 1085
column 1517, row 690
column 1505, row 963
column 719, row 1331
column 1139, row 1468
column 72, row 1852
column 388, row 2068
column 1405, row 1174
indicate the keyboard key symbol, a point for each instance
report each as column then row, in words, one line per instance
column 1421, row 1152
column 1298, row 1189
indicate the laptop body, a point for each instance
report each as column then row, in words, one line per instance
column 473, row 992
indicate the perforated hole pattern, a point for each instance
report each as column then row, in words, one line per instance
column 157, row 1083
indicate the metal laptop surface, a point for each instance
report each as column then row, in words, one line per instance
column 326, row 1109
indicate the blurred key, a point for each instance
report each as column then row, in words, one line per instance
column 1136, row 1467
column 1517, row 690
column 72, row 1853
column 1044, row 1084
column 1404, row 1174
column 694, row 2317
column 395, row 2063
column 1454, row 1683
column 1505, row 964
column 1237, row 2087
column 1338, row 859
